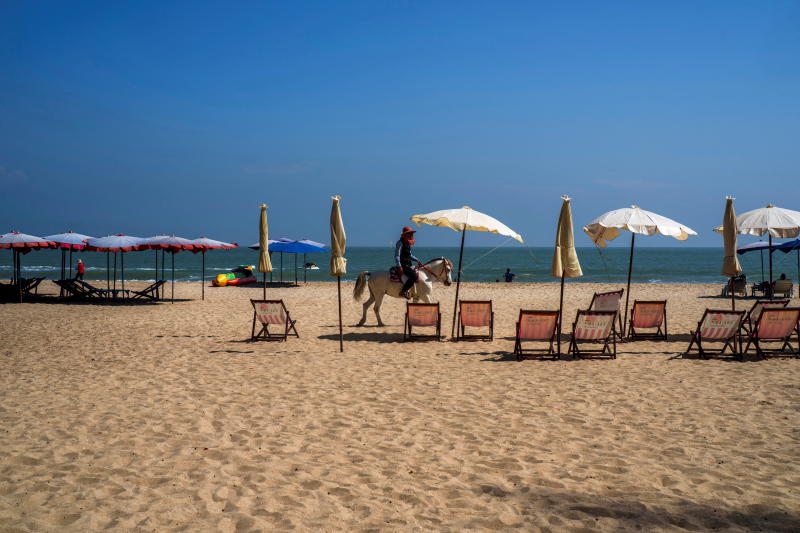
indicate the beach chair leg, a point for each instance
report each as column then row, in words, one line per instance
column 253, row 330
column 406, row 328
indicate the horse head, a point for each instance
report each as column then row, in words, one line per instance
column 441, row 268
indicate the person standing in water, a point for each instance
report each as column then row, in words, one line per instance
column 403, row 258
column 509, row 275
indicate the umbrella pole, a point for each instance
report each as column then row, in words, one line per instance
column 770, row 266
column 281, row 267
column 295, row 270
column 305, row 270
column 560, row 312
column 339, row 291
column 19, row 275
column 798, row 272
column 628, row 290
column 173, row 277
column 122, row 270
column 163, row 289
column 108, row 270
column 762, row 264
column 70, row 262
column 203, row 276
column 264, row 283
column 115, row 270
column 458, row 282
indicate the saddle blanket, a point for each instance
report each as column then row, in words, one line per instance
column 396, row 275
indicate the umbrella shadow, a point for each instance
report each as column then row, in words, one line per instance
column 382, row 338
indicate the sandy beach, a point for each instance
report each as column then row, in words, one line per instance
column 165, row 418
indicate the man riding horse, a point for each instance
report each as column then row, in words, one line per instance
column 403, row 258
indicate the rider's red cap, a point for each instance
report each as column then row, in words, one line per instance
column 407, row 229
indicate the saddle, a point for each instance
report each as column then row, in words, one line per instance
column 396, row 275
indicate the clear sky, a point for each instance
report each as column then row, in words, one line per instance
column 161, row 117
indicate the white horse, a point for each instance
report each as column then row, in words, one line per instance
column 380, row 284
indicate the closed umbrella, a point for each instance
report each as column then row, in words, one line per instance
column 774, row 221
column 210, row 244
column 565, row 258
column 68, row 241
column 607, row 227
column 173, row 245
column 338, row 266
column 730, row 264
column 464, row 219
column 119, row 243
column 264, row 264
column 20, row 244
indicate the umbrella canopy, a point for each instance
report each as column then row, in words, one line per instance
column 753, row 247
column 777, row 222
column 170, row 243
column 211, row 244
column 565, row 258
column 607, row 227
column 466, row 218
column 24, row 242
column 730, row 263
column 115, row 243
column 788, row 246
column 292, row 246
column 338, row 266
column 69, row 240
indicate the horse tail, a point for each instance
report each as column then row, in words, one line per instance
column 361, row 283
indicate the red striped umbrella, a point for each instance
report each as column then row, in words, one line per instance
column 210, row 244
column 173, row 245
column 114, row 244
column 68, row 241
column 21, row 243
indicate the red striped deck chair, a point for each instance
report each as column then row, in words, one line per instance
column 475, row 314
column 648, row 315
column 755, row 312
column 594, row 327
column 536, row 326
column 608, row 301
column 272, row 313
column 420, row 315
column 716, row 326
column 775, row 325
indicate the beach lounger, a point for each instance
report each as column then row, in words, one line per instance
column 648, row 315
column 716, row 326
column 608, row 301
column 536, row 326
column 475, row 314
column 595, row 327
column 272, row 313
column 421, row 315
column 30, row 284
column 736, row 285
column 754, row 313
column 782, row 287
column 775, row 325
column 151, row 292
column 70, row 288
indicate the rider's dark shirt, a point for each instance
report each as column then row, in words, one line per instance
column 403, row 255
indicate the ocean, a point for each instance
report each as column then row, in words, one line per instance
column 530, row 264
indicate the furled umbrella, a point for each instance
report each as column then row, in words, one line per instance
column 68, row 241
column 173, row 245
column 20, row 244
column 264, row 263
column 210, row 244
column 565, row 258
column 607, row 227
column 119, row 243
column 464, row 219
column 774, row 221
column 338, row 266
column 730, row 264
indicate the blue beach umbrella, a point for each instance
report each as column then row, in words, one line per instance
column 291, row 246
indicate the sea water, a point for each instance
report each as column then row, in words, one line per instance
column 530, row 264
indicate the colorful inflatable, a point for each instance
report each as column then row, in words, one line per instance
column 241, row 275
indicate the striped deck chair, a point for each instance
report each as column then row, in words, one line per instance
column 272, row 313
column 648, row 315
column 475, row 314
column 421, row 315
column 594, row 327
column 536, row 326
column 608, row 301
column 755, row 312
column 716, row 326
column 775, row 325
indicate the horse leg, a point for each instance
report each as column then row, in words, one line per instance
column 365, row 307
column 377, row 308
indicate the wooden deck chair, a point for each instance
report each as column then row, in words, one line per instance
column 782, row 287
column 272, row 313
column 648, row 314
column 594, row 327
column 608, row 301
column 775, row 325
column 151, row 292
column 754, row 313
column 716, row 326
column 70, row 288
column 536, row 326
column 475, row 314
column 30, row 284
column 422, row 316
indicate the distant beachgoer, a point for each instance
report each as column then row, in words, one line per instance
column 509, row 276
column 79, row 269
column 403, row 258
column 783, row 276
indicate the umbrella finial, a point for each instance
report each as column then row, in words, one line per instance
column 264, row 206
column 634, row 207
column 730, row 198
column 565, row 197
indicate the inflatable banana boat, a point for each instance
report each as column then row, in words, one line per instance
column 241, row 275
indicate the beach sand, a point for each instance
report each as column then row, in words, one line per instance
column 165, row 418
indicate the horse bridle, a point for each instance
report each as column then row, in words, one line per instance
column 446, row 271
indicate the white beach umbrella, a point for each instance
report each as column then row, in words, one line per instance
column 461, row 220
column 607, row 227
column 774, row 221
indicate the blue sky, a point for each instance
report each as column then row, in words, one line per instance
column 160, row 117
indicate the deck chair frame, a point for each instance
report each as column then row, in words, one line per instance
column 30, row 284
column 754, row 340
column 409, row 335
column 660, row 333
column 264, row 334
column 609, row 347
column 70, row 288
column 461, row 328
column 749, row 319
column 151, row 292
column 521, row 352
column 621, row 293
column 730, row 341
